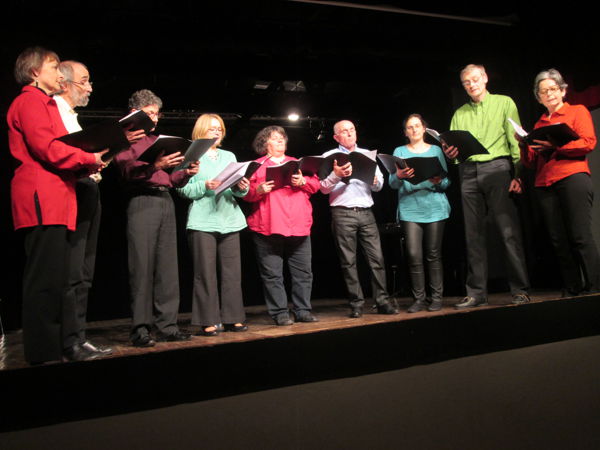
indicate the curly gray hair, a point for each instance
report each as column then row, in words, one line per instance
column 260, row 141
column 142, row 98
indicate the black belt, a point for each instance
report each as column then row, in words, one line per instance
column 352, row 208
column 508, row 158
column 147, row 190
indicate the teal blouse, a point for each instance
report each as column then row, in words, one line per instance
column 424, row 202
column 208, row 212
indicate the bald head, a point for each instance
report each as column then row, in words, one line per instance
column 344, row 134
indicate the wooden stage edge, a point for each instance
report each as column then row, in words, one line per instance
column 268, row 357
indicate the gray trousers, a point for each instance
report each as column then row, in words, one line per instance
column 217, row 268
column 484, row 188
column 153, row 270
column 352, row 227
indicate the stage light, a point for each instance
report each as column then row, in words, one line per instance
column 293, row 117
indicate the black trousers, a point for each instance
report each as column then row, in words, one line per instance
column 45, row 278
column 484, row 189
column 567, row 209
column 352, row 227
column 272, row 252
column 83, row 243
column 153, row 268
column 217, row 296
column 428, row 237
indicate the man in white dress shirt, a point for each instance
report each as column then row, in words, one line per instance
column 76, row 90
column 353, row 223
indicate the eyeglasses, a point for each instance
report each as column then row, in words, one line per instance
column 83, row 83
column 155, row 114
column 550, row 90
column 214, row 129
column 472, row 81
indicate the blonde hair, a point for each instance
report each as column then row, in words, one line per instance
column 203, row 125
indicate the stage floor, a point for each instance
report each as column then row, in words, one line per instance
column 332, row 315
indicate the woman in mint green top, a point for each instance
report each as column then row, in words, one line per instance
column 213, row 226
column 422, row 210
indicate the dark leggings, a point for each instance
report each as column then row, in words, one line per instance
column 425, row 238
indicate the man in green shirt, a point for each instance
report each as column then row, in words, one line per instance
column 486, row 184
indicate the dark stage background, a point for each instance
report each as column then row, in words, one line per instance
column 253, row 62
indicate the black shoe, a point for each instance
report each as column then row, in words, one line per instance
column 283, row 320
column 418, row 305
column 356, row 312
column 235, row 327
column 173, row 337
column 78, row 353
column 87, row 345
column 143, row 341
column 519, row 299
column 470, row 302
column 305, row 316
column 386, row 308
column 435, row 305
column 204, row 331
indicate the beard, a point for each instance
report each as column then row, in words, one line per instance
column 82, row 100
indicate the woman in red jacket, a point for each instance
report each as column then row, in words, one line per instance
column 281, row 220
column 44, row 204
column 564, row 186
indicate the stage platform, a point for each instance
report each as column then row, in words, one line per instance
column 268, row 357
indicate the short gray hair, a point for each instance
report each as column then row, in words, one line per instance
column 470, row 67
column 66, row 68
column 550, row 74
column 142, row 98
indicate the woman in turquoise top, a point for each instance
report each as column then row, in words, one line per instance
column 422, row 210
column 213, row 226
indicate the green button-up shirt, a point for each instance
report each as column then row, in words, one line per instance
column 488, row 122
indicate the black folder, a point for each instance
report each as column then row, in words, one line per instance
column 281, row 174
column 98, row 137
column 463, row 140
column 558, row 134
column 363, row 165
column 166, row 145
column 137, row 120
column 425, row 167
column 109, row 133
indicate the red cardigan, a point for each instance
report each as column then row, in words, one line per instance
column 568, row 159
column 43, row 186
column 286, row 211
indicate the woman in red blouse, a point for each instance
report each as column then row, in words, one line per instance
column 281, row 220
column 44, row 205
column 564, row 186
